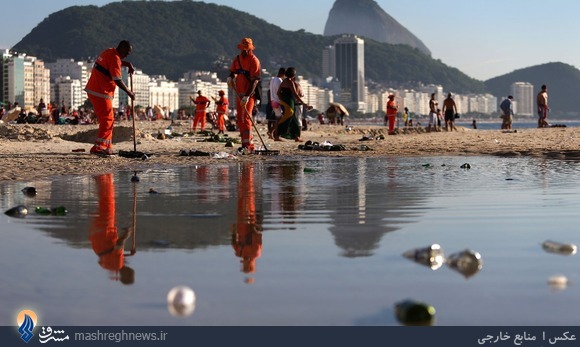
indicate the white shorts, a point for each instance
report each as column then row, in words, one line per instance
column 432, row 118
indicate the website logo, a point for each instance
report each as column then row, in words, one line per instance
column 26, row 322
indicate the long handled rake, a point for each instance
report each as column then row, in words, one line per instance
column 134, row 153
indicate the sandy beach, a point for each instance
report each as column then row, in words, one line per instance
column 44, row 150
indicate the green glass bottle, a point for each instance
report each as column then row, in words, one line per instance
column 59, row 211
column 43, row 210
column 410, row 312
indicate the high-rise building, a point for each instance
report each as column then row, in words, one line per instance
column 350, row 70
column 24, row 79
column 523, row 93
column 328, row 61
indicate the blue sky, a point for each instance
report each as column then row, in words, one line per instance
column 483, row 39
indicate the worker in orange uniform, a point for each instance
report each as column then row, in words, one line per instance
column 246, row 234
column 392, row 109
column 105, row 77
column 106, row 242
column 201, row 105
column 244, row 77
column 222, row 110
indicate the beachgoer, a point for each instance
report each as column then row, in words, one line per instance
column 405, row 117
column 222, row 110
column 105, row 77
column 245, row 71
column 392, row 113
column 275, row 102
column 450, row 111
column 433, row 113
column 289, row 126
column 439, row 118
column 331, row 114
column 474, row 124
column 201, row 105
column 247, row 233
column 299, row 107
column 542, row 102
column 107, row 244
column 507, row 110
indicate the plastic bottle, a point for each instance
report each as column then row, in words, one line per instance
column 411, row 312
column 19, row 211
column 43, row 210
column 559, row 248
column 431, row 256
column 467, row 262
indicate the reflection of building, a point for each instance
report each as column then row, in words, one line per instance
column 350, row 70
column 523, row 93
column 372, row 206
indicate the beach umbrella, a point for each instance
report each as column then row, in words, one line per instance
column 340, row 107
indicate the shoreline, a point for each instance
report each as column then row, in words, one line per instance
column 30, row 151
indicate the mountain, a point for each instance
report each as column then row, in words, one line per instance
column 562, row 80
column 366, row 18
column 171, row 38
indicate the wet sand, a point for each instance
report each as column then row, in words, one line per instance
column 43, row 151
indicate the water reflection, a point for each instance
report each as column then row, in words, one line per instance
column 247, row 231
column 106, row 241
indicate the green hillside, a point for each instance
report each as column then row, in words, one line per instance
column 563, row 83
column 170, row 38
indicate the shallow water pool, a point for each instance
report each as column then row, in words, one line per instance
column 296, row 242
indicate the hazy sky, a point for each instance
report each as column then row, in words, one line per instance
column 483, row 39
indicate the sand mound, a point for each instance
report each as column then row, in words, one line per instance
column 120, row 134
column 24, row 133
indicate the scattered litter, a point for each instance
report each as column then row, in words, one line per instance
column 29, row 191
column 431, row 256
column 19, row 211
column 135, row 179
column 181, row 301
column 309, row 170
column 223, row 155
column 466, row 166
column 427, row 165
column 79, row 150
column 559, row 248
column 467, row 262
column 153, row 191
column 411, row 312
column 558, row 281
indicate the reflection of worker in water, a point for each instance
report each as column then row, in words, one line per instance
column 246, row 234
column 106, row 241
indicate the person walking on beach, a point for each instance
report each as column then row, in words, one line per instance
column 449, row 110
column 542, row 102
column 105, row 77
column 274, row 101
column 507, row 110
column 221, row 110
column 392, row 113
column 201, row 105
column 245, row 74
column 433, row 113
column 289, row 126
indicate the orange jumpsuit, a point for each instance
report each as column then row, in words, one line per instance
column 103, row 233
column 247, row 238
column 101, row 89
column 391, row 115
column 250, row 67
column 201, row 103
column 222, row 109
